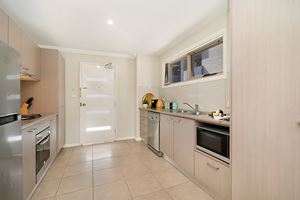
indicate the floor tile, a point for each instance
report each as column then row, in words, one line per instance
column 104, row 164
column 130, row 171
column 188, row 191
column 170, row 177
column 74, row 183
column 159, row 195
column 102, row 155
column 78, row 168
column 80, row 157
column 107, row 176
column 85, row 194
column 120, row 170
column 112, row 191
column 46, row 189
column 133, row 159
column 143, row 185
column 83, row 149
column 55, row 173
column 60, row 162
column 65, row 152
column 156, row 164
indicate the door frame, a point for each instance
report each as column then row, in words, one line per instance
column 115, row 101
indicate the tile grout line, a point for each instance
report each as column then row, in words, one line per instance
column 61, row 179
column 131, row 195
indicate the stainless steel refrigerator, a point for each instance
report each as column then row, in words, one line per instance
column 10, row 125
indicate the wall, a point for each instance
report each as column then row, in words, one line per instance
column 148, row 79
column 209, row 95
column 126, row 93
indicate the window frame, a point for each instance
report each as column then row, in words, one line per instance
column 198, row 46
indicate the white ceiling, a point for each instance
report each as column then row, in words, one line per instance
column 140, row 26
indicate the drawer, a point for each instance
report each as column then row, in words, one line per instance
column 213, row 174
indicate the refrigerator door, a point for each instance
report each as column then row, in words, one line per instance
column 10, row 98
column 10, row 158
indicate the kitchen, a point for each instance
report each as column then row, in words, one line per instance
column 124, row 104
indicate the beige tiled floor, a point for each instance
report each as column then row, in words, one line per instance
column 125, row 170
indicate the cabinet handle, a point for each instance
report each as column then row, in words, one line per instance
column 211, row 166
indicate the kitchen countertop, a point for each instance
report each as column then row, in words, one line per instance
column 28, row 123
column 201, row 118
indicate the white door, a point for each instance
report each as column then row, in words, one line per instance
column 97, row 103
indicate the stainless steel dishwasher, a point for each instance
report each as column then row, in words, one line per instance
column 153, row 132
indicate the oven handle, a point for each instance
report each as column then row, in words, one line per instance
column 44, row 142
column 213, row 130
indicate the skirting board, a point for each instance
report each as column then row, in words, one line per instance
column 117, row 139
column 124, row 138
column 71, row 145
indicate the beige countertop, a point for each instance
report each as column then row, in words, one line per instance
column 200, row 118
column 28, row 123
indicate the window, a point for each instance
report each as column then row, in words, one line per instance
column 205, row 61
column 208, row 61
column 176, row 71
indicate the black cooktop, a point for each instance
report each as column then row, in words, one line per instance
column 31, row 116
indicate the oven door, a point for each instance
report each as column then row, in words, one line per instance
column 42, row 155
column 213, row 142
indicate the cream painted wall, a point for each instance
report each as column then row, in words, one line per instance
column 147, row 80
column 209, row 95
column 126, row 94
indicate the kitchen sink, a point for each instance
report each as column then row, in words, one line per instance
column 186, row 112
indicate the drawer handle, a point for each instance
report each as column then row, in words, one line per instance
column 213, row 167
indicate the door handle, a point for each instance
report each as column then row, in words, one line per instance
column 82, row 104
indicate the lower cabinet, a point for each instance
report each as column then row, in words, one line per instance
column 143, row 125
column 166, row 135
column 177, row 140
column 214, row 174
column 29, row 168
column 184, row 143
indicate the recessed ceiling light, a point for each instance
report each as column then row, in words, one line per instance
column 110, row 22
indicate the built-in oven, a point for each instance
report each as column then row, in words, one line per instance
column 215, row 141
column 42, row 151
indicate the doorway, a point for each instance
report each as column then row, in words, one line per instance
column 97, row 103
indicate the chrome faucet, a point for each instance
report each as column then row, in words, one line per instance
column 196, row 109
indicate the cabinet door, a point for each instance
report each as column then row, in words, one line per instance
column 166, row 135
column 31, row 57
column 60, row 129
column 15, row 36
column 215, row 175
column 53, row 138
column 265, row 79
column 3, row 27
column 184, row 143
column 29, row 168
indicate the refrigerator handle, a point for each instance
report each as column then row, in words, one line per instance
column 5, row 119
